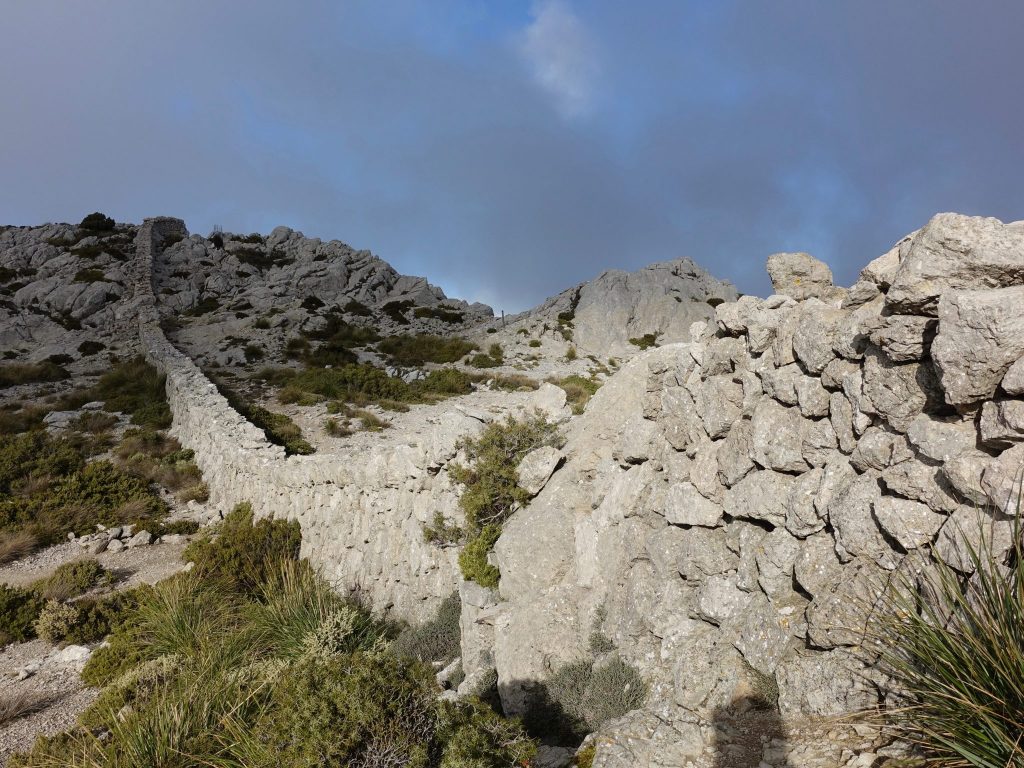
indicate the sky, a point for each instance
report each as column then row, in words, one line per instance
column 507, row 150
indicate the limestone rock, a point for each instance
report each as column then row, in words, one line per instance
column 817, row 565
column 856, row 532
column 836, row 616
column 954, row 252
column 1013, row 381
column 799, row 275
column 969, row 533
column 981, row 334
column 941, row 439
column 904, row 338
column 1002, row 480
column 815, row 337
column 882, row 270
column 1002, row 423
column 964, row 473
column 761, row 495
column 734, row 452
column 140, row 539
column 776, row 437
column 684, row 505
column 802, row 519
column 537, row 466
column 897, row 392
column 922, row 482
column 910, row 523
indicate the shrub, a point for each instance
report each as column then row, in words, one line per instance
column 578, row 390
column 954, row 649
column 535, row 343
column 19, row 609
column 581, row 696
column 354, row 307
column 445, row 381
column 245, row 552
column 17, row 704
column 136, row 387
column 473, row 557
column 17, row 420
column 442, row 313
column 571, row 354
column 12, row 374
column 253, row 353
column 97, row 222
column 88, row 276
column 71, row 579
column 277, row 427
column 55, row 621
column 94, row 421
column 435, row 640
column 396, row 310
column 261, row 324
column 646, row 341
column 414, row 351
column 484, row 361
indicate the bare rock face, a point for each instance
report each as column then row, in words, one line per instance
column 956, row 252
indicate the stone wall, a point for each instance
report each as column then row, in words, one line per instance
column 728, row 508
column 361, row 513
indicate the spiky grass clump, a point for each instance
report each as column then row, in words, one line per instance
column 954, row 647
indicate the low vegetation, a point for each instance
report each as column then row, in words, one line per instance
column 646, row 341
column 71, row 580
column 954, row 647
column 278, row 428
column 135, row 387
column 436, row 640
column 276, row 671
column 414, row 351
column 494, row 357
column 491, row 491
column 578, row 390
column 97, row 222
column 13, row 374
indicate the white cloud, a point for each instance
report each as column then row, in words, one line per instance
column 562, row 55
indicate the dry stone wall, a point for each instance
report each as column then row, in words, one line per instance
column 729, row 507
column 361, row 514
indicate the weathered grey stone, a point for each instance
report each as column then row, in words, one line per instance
column 856, row 531
column 704, row 553
column 812, row 397
column 837, row 615
column 734, row 453
column 833, row 373
column 799, row 275
column 761, row 495
column 829, row 684
column 964, row 473
column 537, row 466
column 98, row 545
column 1002, row 423
column 684, row 505
column 764, row 636
column 115, row 545
column 841, row 415
column 720, row 600
column 817, row 566
column 802, row 519
column 1013, row 381
column 1002, row 480
column 141, row 539
column 776, row 437
column 818, row 442
column 680, row 424
column 719, row 404
column 860, row 293
column 838, row 474
column 905, row 338
column 910, row 523
column 815, row 335
column 981, row 334
column 897, row 392
column 775, row 558
column 874, row 450
column 642, row 737
column 922, row 482
column 724, row 356
column 708, row 673
column 704, row 471
column 882, row 270
column 781, row 383
column 954, row 252
column 941, row 439
column 744, row 538
column 782, row 343
column 970, row 534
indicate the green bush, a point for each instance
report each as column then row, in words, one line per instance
column 354, row 307
column 244, row 553
column 442, row 313
column 89, row 276
column 12, row 374
column 535, row 343
column 578, row 390
column 396, row 310
column 55, row 621
column 445, row 381
column 278, row 428
column 954, row 651
column 253, row 353
column 414, row 351
column 72, row 579
column 484, row 361
column 473, row 557
column 19, row 609
column 435, row 640
column 136, row 387
column 97, row 222
column 646, row 341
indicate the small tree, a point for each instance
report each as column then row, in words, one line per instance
column 97, row 222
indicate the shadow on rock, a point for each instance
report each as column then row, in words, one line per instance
column 749, row 732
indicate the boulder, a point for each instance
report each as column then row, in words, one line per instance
column 776, row 437
column 1013, row 381
column 141, row 539
column 761, row 495
column 537, row 466
column 799, row 275
column 816, row 335
column 897, row 392
column 955, row 252
column 981, row 334
column 941, row 439
column 904, row 338
column 971, row 533
column 1003, row 478
column 684, row 505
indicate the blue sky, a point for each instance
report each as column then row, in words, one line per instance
column 507, row 150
